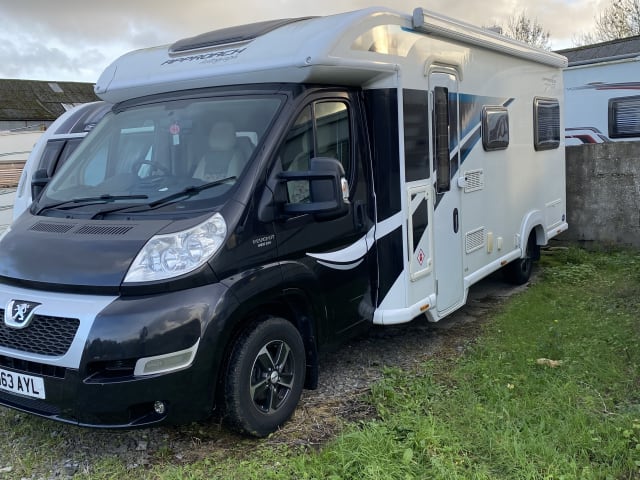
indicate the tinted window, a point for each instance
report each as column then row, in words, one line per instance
column 495, row 128
column 416, row 134
column 546, row 123
column 624, row 117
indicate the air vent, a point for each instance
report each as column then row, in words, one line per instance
column 103, row 229
column 49, row 227
column 473, row 180
column 474, row 240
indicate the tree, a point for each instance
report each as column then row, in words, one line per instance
column 619, row 20
column 520, row 27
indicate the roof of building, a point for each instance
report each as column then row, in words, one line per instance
column 600, row 52
column 36, row 100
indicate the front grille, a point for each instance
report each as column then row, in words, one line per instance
column 32, row 368
column 45, row 335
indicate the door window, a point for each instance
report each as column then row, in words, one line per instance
column 322, row 129
column 441, row 138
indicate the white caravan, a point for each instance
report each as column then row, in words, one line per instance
column 603, row 95
column 54, row 147
column 258, row 193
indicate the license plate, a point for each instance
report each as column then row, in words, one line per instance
column 22, row 384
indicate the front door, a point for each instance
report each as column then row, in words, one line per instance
column 329, row 254
column 443, row 94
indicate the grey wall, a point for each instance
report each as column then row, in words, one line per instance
column 603, row 193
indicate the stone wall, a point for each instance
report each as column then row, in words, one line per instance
column 603, row 193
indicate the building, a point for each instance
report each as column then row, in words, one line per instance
column 35, row 104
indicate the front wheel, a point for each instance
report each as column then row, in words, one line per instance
column 265, row 377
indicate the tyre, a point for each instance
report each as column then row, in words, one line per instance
column 265, row 377
column 518, row 272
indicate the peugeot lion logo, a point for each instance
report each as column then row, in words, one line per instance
column 20, row 313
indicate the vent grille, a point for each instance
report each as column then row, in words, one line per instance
column 45, row 335
column 103, row 229
column 48, row 227
column 474, row 180
column 474, row 240
column 32, row 368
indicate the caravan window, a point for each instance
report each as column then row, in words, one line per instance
column 441, row 139
column 546, row 123
column 624, row 117
column 416, row 134
column 322, row 129
column 495, row 128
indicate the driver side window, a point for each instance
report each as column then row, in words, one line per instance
column 322, row 129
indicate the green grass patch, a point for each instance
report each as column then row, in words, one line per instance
column 500, row 411
column 549, row 390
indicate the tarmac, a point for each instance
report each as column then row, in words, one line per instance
column 7, row 197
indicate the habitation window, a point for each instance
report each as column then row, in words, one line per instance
column 416, row 134
column 495, row 128
column 624, row 117
column 546, row 123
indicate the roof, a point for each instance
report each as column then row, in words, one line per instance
column 352, row 48
column 605, row 51
column 36, row 100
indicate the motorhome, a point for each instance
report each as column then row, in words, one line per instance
column 602, row 91
column 53, row 147
column 256, row 195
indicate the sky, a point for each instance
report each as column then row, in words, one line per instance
column 74, row 40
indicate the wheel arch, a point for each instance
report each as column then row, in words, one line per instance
column 532, row 227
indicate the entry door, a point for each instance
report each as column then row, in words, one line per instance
column 443, row 95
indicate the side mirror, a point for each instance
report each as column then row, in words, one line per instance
column 327, row 186
column 39, row 180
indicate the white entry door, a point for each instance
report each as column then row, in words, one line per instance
column 445, row 157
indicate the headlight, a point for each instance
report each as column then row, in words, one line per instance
column 167, row 256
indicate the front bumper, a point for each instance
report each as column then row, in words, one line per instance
column 93, row 383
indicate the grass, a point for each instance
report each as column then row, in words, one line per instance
column 497, row 411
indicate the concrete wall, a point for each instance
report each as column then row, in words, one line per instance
column 603, row 193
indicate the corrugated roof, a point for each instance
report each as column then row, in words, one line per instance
column 597, row 52
column 36, row 100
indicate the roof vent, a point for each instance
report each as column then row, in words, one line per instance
column 231, row 35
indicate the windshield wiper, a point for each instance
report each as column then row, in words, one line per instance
column 84, row 201
column 189, row 191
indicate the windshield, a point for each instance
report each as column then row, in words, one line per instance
column 150, row 154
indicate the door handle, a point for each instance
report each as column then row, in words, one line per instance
column 358, row 217
column 455, row 220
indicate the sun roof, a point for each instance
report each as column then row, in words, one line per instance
column 238, row 34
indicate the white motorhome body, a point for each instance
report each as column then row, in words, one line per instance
column 259, row 192
column 604, row 94
column 491, row 193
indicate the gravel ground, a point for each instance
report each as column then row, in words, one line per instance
column 344, row 377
